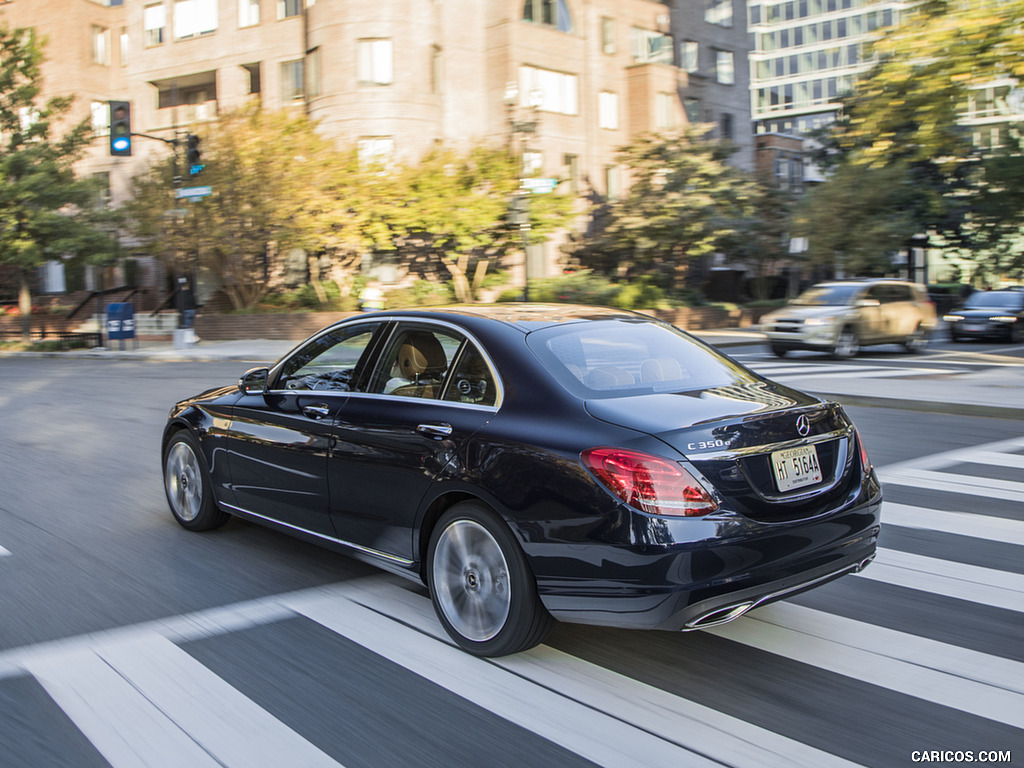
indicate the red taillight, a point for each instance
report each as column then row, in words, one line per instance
column 649, row 483
column 865, row 462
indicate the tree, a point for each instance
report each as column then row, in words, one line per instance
column 456, row 205
column 904, row 116
column 45, row 212
column 276, row 185
column 685, row 201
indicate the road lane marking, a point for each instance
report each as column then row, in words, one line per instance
column 4, row 552
column 124, row 726
column 1007, row 490
column 956, row 456
column 973, row 665
column 959, row 523
column 605, row 717
column 174, row 702
column 946, row 578
column 909, row 678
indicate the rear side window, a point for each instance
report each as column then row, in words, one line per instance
column 618, row 358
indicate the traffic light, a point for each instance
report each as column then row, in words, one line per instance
column 193, row 157
column 518, row 210
column 120, row 128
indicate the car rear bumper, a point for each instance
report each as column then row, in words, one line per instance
column 695, row 584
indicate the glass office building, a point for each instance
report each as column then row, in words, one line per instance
column 806, row 53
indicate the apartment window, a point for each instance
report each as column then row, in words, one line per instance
column 725, row 67
column 533, row 162
column 612, row 182
column 194, row 17
column 375, row 150
column 293, row 80
column 100, row 45
column 436, row 69
column 550, row 13
column 608, row 35
column 248, row 13
column 608, row 110
column 124, row 47
column 726, row 127
column 192, row 90
column 374, row 65
column 313, row 73
column 555, row 91
column 648, row 46
column 689, row 56
column 664, row 111
column 100, row 118
column 718, row 12
column 691, row 108
column 154, row 19
column 255, row 78
column 288, row 8
column 572, row 162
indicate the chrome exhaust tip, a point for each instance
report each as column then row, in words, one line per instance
column 718, row 616
column 864, row 564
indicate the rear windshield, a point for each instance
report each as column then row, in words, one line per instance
column 995, row 299
column 828, row 295
column 620, row 358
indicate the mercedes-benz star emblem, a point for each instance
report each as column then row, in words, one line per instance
column 803, row 425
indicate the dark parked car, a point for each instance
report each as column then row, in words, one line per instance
column 532, row 462
column 989, row 314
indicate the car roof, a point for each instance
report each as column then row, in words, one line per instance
column 525, row 316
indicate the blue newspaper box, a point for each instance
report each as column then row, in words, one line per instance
column 120, row 322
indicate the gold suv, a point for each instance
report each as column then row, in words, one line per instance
column 841, row 317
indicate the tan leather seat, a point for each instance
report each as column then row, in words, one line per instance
column 422, row 361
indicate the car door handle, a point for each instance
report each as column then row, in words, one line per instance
column 317, row 410
column 435, row 430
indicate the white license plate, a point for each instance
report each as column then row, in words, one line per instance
column 974, row 327
column 796, row 467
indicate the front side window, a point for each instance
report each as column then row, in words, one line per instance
column 194, row 17
column 374, row 63
column 330, row 362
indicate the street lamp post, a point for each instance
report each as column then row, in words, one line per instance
column 519, row 205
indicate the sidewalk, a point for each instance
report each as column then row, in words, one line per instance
column 996, row 391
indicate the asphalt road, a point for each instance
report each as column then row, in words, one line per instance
column 264, row 650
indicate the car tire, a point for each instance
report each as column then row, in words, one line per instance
column 188, row 486
column 916, row 341
column 846, row 344
column 483, row 590
column 778, row 351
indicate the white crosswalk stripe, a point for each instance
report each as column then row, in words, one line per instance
column 140, row 699
column 4, row 552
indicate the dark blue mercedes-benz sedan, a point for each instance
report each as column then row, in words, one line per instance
column 536, row 462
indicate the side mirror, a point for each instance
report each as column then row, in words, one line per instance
column 254, row 381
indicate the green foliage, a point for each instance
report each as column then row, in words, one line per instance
column 45, row 212
column 904, row 121
column 422, row 293
column 586, row 287
column 685, row 201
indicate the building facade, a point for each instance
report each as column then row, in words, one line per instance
column 806, row 54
